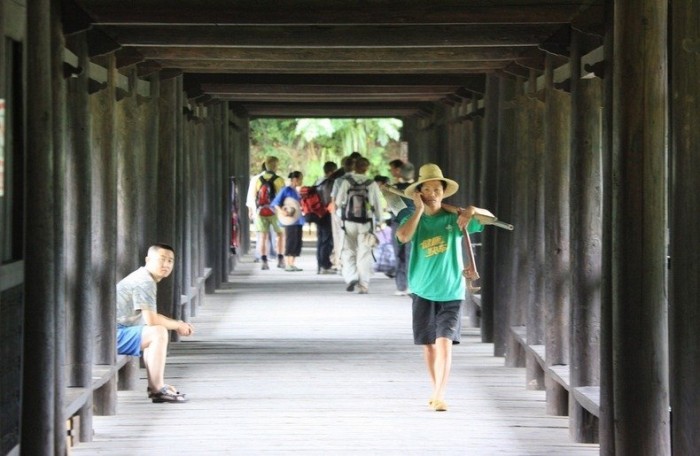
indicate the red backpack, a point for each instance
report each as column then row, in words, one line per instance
column 312, row 205
column 265, row 195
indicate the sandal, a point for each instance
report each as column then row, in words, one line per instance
column 171, row 389
column 166, row 395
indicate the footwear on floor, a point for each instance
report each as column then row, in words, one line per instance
column 265, row 266
column 361, row 289
column 326, row 271
column 280, row 263
column 292, row 268
column 165, row 394
column 351, row 285
column 439, row 405
column 170, row 388
column 401, row 293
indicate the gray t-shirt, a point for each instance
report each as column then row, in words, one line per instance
column 135, row 292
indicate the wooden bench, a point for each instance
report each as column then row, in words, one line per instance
column 533, row 356
column 79, row 403
column 555, row 379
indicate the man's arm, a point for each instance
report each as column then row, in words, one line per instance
column 154, row 318
column 406, row 231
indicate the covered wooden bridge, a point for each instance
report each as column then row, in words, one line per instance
column 123, row 124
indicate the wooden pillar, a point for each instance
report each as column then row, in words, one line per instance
column 685, row 226
column 80, row 291
column 167, row 152
column 488, row 197
column 59, row 129
column 640, row 324
column 39, row 371
column 221, row 256
column 557, row 125
column 105, row 234
column 129, row 146
column 586, row 241
column 521, row 248
column 503, row 247
column 535, row 229
column 151, row 187
column 79, row 222
column 471, row 155
column 606, row 427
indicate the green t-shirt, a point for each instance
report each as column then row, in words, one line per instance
column 435, row 268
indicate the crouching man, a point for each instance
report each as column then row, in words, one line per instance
column 141, row 329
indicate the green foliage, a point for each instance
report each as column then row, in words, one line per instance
column 306, row 144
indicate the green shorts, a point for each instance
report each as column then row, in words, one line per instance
column 263, row 224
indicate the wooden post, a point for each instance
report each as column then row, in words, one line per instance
column 167, row 147
column 606, row 427
column 685, row 226
column 39, row 372
column 488, row 198
column 503, row 249
column 557, row 126
column 640, row 325
column 586, row 246
column 520, row 245
column 105, row 234
column 535, row 230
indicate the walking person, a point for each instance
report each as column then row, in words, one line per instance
column 324, row 226
column 141, row 330
column 288, row 209
column 361, row 207
column 266, row 188
column 250, row 203
column 402, row 251
column 435, row 272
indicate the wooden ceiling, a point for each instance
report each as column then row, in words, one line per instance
column 335, row 58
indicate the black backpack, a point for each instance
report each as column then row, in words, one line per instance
column 357, row 207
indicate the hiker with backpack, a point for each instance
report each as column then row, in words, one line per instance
column 250, row 202
column 266, row 188
column 315, row 201
column 288, row 208
column 359, row 200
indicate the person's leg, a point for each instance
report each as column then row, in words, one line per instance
column 338, row 233
column 348, row 255
column 401, row 267
column 154, row 343
column 442, row 363
column 281, row 241
column 325, row 239
column 263, row 228
column 364, row 258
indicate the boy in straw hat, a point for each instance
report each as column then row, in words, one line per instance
column 435, row 272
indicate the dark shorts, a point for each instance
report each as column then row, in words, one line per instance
column 129, row 340
column 292, row 242
column 433, row 319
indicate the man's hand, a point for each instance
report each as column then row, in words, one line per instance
column 418, row 202
column 465, row 215
column 184, row 329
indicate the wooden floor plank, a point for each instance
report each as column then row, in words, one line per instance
column 291, row 364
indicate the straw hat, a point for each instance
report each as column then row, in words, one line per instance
column 291, row 211
column 432, row 172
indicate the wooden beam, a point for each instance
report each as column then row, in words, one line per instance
column 473, row 82
column 332, row 109
column 335, row 53
column 328, row 89
column 337, row 12
column 222, row 66
column 310, row 36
